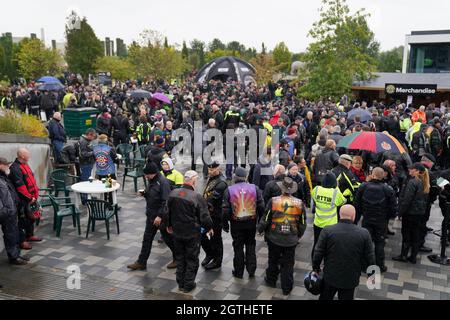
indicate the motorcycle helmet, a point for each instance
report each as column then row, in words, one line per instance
column 313, row 283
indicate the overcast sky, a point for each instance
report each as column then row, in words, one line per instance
column 249, row 22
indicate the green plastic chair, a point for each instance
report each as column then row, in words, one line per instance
column 100, row 210
column 44, row 200
column 125, row 150
column 139, row 154
column 59, row 178
column 61, row 210
column 135, row 172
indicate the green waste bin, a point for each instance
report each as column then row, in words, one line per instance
column 78, row 120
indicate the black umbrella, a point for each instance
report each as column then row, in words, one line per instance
column 140, row 94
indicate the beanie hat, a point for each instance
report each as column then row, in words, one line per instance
column 291, row 165
column 241, row 173
column 151, row 168
column 329, row 180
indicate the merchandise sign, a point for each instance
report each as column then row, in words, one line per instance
column 411, row 89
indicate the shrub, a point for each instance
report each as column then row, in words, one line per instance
column 21, row 123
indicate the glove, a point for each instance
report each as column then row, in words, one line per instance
column 226, row 227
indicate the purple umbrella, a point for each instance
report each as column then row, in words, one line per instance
column 162, row 97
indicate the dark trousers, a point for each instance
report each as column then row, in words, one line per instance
column 329, row 292
column 86, row 171
column 119, row 140
column 149, row 235
column 244, row 238
column 411, row 235
column 108, row 196
column 317, row 232
column 214, row 247
column 186, row 256
column 423, row 227
column 10, row 236
column 194, row 165
column 378, row 234
column 26, row 228
column 281, row 261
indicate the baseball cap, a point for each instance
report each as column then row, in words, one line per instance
column 4, row 161
column 417, row 166
column 214, row 165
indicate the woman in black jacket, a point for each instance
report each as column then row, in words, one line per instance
column 412, row 205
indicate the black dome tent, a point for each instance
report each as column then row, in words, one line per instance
column 225, row 68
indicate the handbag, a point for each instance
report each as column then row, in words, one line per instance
column 33, row 211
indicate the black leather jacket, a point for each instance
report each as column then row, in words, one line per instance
column 187, row 212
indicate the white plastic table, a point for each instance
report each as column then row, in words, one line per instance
column 95, row 187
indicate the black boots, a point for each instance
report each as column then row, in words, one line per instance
column 404, row 254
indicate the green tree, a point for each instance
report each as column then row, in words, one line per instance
column 236, row 47
column 216, row 44
column 185, row 51
column 211, row 55
column 344, row 50
column 121, row 69
column 263, row 49
column 197, row 55
column 9, row 68
column 36, row 61
column 265, row 67
column 282, row 57
column 391, row 60
column 83, row 48
column 151, row 59
column 166, row 43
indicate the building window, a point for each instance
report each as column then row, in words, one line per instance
column 430, row 58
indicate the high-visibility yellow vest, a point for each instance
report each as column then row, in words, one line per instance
column 279, row 92
column 405, row 124
column 175, row 177
column 327, row 201
column 269, row 129
column 349, row 193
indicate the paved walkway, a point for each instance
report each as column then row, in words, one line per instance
column 105, row 276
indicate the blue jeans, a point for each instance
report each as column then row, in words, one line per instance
column 59, row 145
column 86, row 171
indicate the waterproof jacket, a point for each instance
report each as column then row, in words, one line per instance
column 375, row 201
column 412, row 200
column 157, row 194
column 346, row 250
column 8, row 197
column 56, row 131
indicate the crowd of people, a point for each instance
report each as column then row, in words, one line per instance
column 343, row 188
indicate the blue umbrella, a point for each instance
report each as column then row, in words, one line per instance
column 51, row 86
column 49, row 80
column 362, row 113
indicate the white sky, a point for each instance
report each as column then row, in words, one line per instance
column 249, row 22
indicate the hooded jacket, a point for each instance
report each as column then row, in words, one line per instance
column 175, row 178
